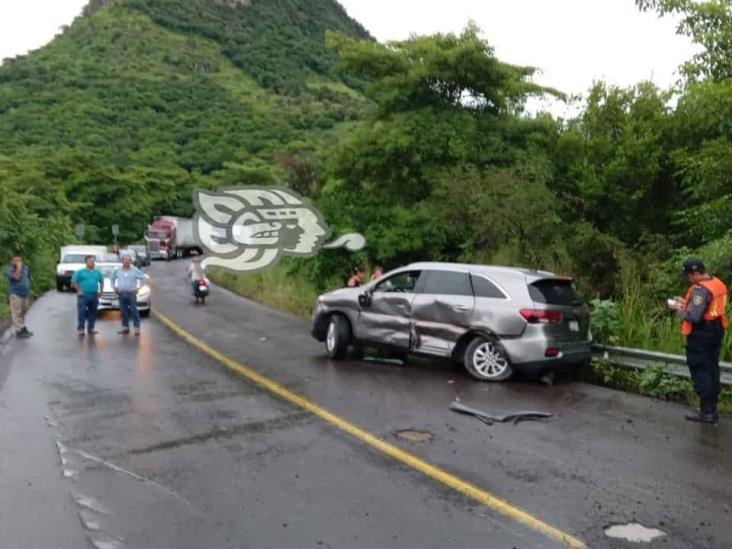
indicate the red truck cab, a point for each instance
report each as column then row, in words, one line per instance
column 161, row 239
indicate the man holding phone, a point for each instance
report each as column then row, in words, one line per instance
column 18, row 275
column 704, row 320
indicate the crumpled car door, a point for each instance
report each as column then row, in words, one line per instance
column 441, row 311
column 386, row 319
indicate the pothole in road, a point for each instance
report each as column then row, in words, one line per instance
column 412, row 435
column 633, row 532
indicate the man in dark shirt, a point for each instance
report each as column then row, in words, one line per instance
column 18, row 275
column 703, row 323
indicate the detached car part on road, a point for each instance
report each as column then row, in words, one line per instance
column 495, row 320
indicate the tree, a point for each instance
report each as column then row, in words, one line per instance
column 614, row 160
column 445, row 167
column 442, row 70
column 703, row 161
column 709, row 24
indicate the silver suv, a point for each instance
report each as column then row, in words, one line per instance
column 494, row 320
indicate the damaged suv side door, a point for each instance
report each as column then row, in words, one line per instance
column 441, row 311
column 385, row 311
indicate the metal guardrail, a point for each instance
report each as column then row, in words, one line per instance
column 641, row 359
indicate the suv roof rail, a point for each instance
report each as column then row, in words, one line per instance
column 480, row 267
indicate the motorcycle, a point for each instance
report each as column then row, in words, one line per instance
column 201, row 290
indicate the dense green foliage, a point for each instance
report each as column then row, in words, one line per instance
column 422, row 145
column 279, row 44
column 448, row 168
column 120, row 117
column 709, row 24
column 443, row 165
column 457, row 173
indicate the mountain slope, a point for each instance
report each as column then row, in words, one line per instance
column 139, row 101
column 277, row 42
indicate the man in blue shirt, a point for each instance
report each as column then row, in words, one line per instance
column 18, row 276
column 88, row 283
column 127, row 281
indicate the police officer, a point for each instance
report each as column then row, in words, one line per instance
column 703, row 324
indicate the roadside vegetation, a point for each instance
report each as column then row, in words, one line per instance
column 652, row 382
column 281, row 287
column 423, row 145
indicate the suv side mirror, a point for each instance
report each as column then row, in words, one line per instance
column 364, row 299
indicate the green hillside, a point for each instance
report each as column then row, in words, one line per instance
column 136, row 102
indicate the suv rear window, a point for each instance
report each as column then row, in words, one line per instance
column 553, row 291
column 485, row 288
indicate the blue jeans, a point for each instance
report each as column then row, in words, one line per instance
column 86, row 305
column 128, row 308
column 702, row 356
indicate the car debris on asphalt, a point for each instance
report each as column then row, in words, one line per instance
column 489, row 419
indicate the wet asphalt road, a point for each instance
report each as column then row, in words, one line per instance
column 148, row 442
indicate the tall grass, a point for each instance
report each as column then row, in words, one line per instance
column 647, row 323
column 278, row 287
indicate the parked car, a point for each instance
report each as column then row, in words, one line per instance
column 108, row 299
column 495, row 320
column 136, row 259
column 142, row 253
column 73, row 258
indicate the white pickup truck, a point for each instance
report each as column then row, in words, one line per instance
column 72, row 258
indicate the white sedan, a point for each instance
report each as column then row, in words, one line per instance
column 109, row 299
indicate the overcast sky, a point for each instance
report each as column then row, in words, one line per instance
column 573, row 42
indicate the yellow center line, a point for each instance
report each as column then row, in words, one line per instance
column 412, row 461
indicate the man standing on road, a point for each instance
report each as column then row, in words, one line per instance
column 127, row 281
column 88, row 283
column 703, row 323
column 18, row 276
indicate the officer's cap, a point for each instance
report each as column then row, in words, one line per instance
column 692, row 266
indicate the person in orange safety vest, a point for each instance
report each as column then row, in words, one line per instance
column 703, row 322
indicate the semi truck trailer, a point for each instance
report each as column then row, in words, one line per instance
column 170, row 237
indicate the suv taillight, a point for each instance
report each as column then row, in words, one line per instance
column 541, row 316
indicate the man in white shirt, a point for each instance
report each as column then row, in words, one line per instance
column 127, row 282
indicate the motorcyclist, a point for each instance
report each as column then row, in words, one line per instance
column 196, row 272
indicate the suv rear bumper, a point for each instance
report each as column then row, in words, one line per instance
column 531, row 355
